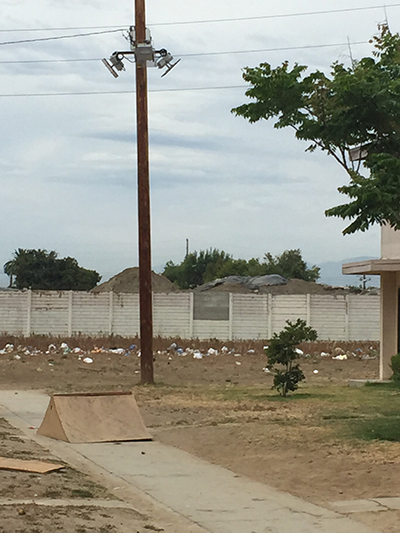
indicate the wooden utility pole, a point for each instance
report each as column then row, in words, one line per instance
column 146, row 304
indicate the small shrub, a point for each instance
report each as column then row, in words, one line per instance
column 395, row 366
column 282, row 351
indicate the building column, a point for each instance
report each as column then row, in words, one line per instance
column 389, row 322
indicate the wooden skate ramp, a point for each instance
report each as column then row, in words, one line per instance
column 93, row 417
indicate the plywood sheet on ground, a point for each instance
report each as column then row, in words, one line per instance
column 39, row 467
column 94, row 417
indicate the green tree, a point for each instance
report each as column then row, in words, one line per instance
column 290, row 264
column 204, row 266
column 196, row 268
column 282, row 351
column 352, row 114
column 42, row 270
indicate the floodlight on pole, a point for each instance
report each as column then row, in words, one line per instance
column 145, row 55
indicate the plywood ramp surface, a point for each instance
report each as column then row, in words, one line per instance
column 23, row 465
column 94, row 417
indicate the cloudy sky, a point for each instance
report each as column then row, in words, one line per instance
column 68, row 152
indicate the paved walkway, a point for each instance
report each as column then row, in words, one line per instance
column 184, row 493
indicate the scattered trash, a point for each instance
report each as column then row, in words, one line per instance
column 211, row 351
column 197, row 355
column 338, row 351
column 266, row 370
column 324, row 354
column 238, row 362
column 65, row 348
column 251, row 351
column 298, row 351
column 224, row 349
column 117, row 351
column 97, row 350
column 17, row 357
column 173, row 347
column 87, row 360
column 315, row 371
column 340, row 357
column 8, row 348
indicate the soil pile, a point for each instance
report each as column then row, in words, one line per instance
column 291, row 286
column 127, row 281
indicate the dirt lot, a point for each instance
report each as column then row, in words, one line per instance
column 219, row 407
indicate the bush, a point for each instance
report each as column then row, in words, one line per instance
column 395, row 366
column 282, row 351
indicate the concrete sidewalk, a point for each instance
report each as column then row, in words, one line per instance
column 185, row 493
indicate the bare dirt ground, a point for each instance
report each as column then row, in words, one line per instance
column 220, row 408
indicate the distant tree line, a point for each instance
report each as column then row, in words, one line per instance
column 43, row 270
column 207, row 265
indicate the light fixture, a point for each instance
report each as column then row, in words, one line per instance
column 165, row 60
column 115, row 63
column 144, row 54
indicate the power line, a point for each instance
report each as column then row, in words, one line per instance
column 199, row 54
column 281, row 15
column 282, row 49
column 72, row 28
column 60, row 37
column 94, row 93
column 206, row 21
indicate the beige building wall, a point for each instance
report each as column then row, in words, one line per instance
column 390, row 283
column 390, row 243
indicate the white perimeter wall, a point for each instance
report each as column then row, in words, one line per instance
column 350, row 317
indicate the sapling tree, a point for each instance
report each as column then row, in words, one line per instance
column 282, row 352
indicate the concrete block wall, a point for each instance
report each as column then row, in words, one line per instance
column 224, row 316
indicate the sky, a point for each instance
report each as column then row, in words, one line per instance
column 68, row 150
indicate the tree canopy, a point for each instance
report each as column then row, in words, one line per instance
column 43, row 270
column 207, row 265
column 352, row 114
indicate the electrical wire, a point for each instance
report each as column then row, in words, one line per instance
column 72, row 28
column 199, row 54
column 22, row 41
column 279, row 15
column 94, row 93
column 206, row 21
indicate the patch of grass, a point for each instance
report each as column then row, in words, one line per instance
column 340, row 416
column 81, row 493
column 382, row 428
column 383, row 386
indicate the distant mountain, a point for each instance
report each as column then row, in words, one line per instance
column 331, row 274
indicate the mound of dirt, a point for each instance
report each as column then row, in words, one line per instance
column 128, row 281
column 300, row 286
column 292, row 286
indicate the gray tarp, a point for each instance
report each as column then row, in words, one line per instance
column 252, row 283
